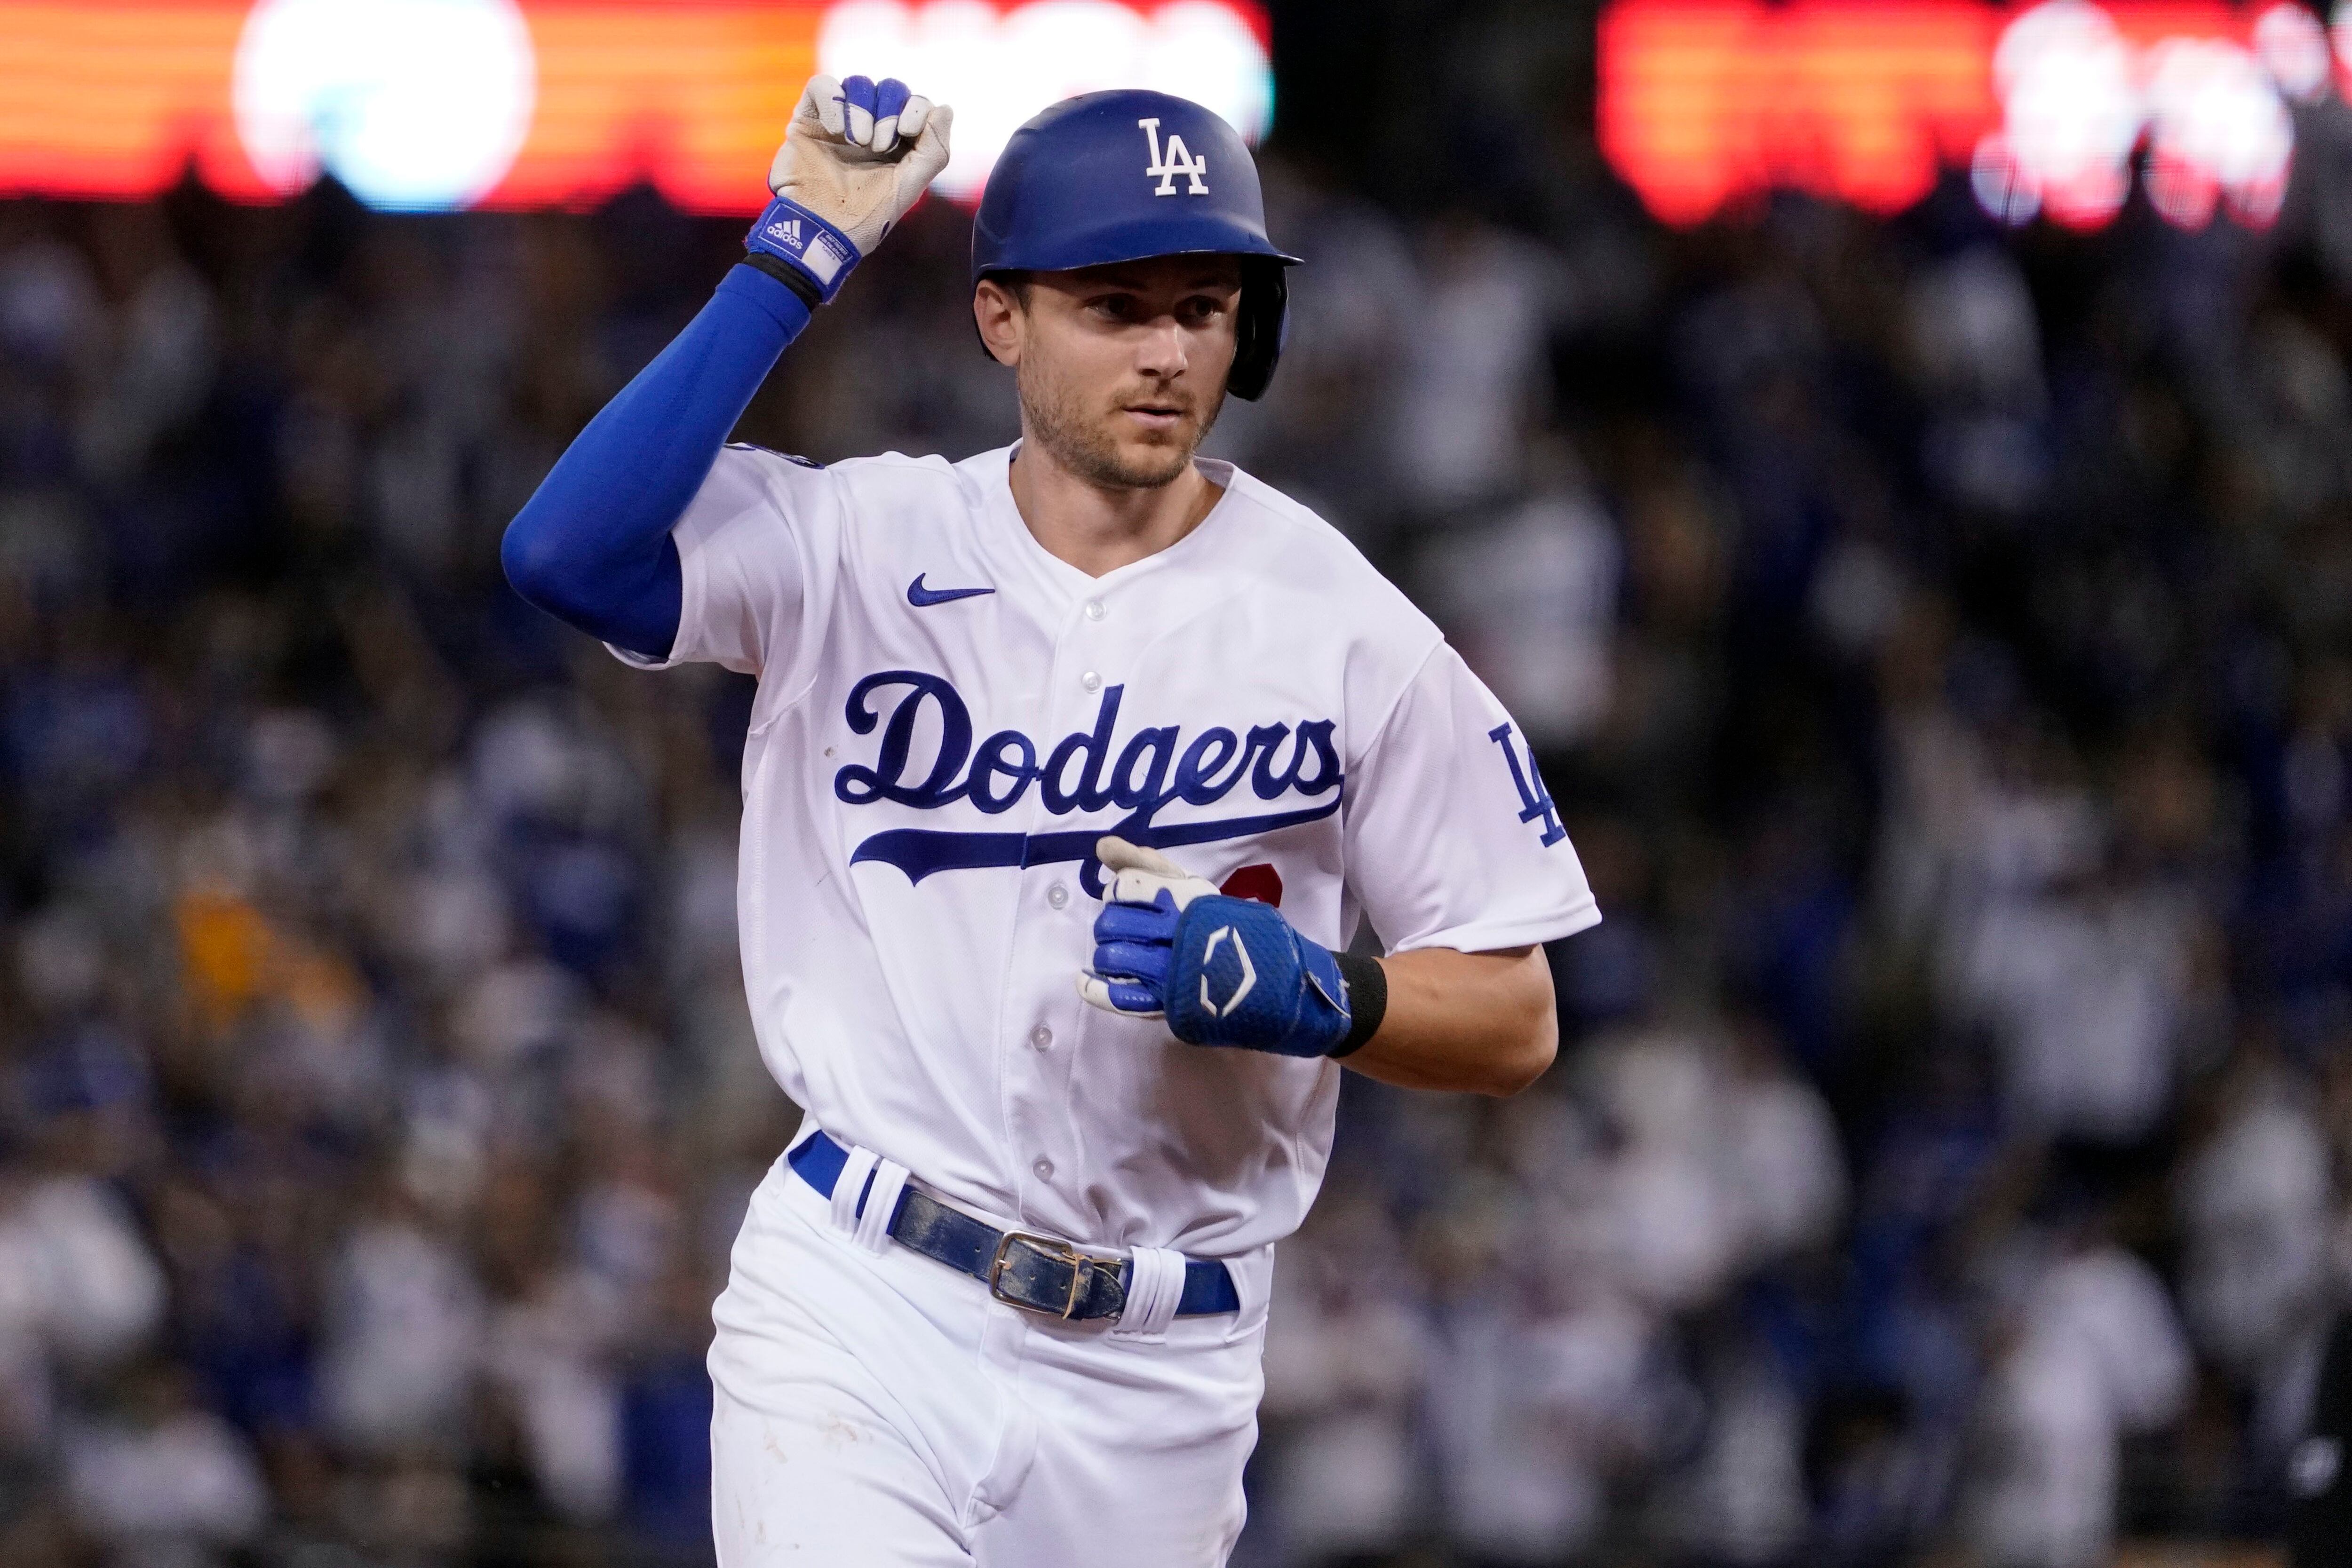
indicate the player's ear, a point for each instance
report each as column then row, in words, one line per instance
column 997, row 312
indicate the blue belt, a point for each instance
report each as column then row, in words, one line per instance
column 1036, row 1273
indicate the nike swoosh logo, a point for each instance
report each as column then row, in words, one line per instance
column 923, row 598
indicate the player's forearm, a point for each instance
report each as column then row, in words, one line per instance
column 592, row 545
column 1481, row 1022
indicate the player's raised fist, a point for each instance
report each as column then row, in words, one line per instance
column 869, row 121
column 858, row 154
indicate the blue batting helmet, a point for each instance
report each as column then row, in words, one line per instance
column 1121, row 176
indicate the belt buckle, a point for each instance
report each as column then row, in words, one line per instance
column 1045, row 1247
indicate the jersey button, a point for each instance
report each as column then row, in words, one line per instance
column 1045, row 1170
column 1058, row 896
column 1041, row 1037
column 1091, row 681
column 1093, row 610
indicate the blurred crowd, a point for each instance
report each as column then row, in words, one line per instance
column 1936, row 641
column 377, row 1100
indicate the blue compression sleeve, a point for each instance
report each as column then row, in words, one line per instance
column 592, row 544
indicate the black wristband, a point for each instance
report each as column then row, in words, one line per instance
column 1368, row 998
column 791, row 276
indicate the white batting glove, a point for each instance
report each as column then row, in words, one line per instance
column 857, row 155
column 1141, row 872
column 1146, row 893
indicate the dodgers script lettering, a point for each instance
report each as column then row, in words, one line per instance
column 1086, row 771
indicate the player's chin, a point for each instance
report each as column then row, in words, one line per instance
column 1151, row 444
column 1149, row 462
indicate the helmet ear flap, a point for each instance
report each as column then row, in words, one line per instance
column 1259, row 328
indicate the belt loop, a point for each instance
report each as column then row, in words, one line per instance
column 1155, row 1285
column 873, row 1231
column 851, row 1188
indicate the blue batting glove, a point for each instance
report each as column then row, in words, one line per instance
column 1221, row 971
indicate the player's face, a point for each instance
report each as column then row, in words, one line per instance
column 1121, row 368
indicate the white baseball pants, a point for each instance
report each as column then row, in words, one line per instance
column 878, row 1408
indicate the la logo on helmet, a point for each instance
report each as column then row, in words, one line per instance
column 1177, row 159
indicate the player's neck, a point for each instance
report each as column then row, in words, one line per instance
column 1099, row 528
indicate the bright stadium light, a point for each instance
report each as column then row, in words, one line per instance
column 2071, row 107
column 1210, row 54
column 410, row 103
column 2217, row 129
column 2077, row 100
column 999, row 67
column 2293, row 47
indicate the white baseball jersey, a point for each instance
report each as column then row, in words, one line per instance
column 949, row 718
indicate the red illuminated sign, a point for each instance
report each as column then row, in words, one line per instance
column 513, row 103
column 1706, row 104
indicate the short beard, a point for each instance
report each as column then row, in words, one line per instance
column 1057, row 423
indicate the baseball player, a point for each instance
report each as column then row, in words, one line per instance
column 1073, row 772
